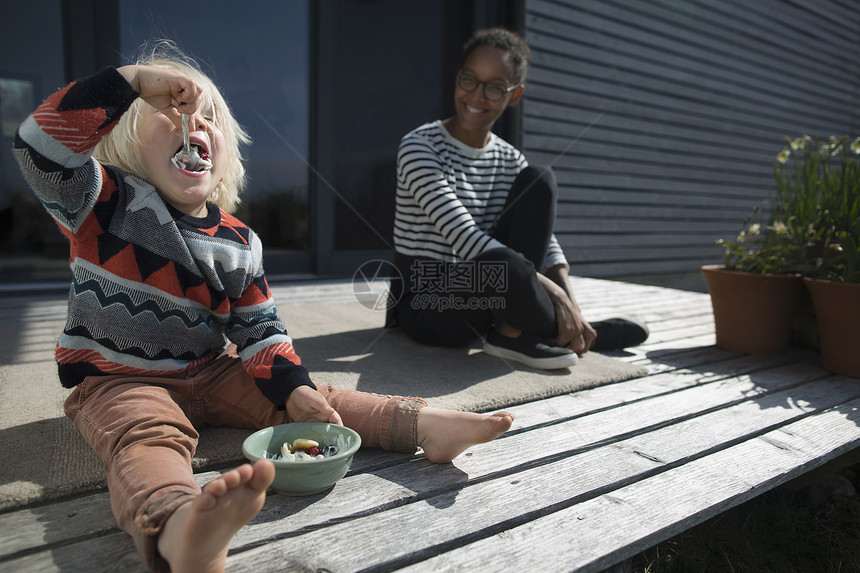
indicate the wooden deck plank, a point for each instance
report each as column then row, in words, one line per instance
column 29, row 528
column 404, row 483
column 595, row 410
column 486, row 507
column 655, row 509
column 597, row 452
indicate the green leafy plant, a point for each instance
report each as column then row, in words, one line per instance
column 813, row 223
column 818, row 181
column 769, row 248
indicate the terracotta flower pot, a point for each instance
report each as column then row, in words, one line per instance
column 753, row 313
column 837, row 306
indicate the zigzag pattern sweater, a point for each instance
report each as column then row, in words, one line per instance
column 154, row 291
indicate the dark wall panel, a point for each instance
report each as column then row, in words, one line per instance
column 662, row 118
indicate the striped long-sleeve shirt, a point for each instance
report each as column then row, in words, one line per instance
column 449, row 195
column 154, row 291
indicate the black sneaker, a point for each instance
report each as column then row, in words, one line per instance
column 530, row 350
column 617, row 333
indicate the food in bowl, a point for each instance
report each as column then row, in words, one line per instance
column 303, row 450
column 300, row 475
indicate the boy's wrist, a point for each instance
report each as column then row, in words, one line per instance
column 130, row 75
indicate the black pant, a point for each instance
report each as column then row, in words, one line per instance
column 440, row 306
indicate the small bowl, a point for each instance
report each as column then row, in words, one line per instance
column 309, row 476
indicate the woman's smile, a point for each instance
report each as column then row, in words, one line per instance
column 475, row 114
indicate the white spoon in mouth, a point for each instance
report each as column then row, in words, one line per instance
column 187, row 158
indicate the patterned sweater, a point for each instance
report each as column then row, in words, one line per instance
column 154, row 291
column 449, row 195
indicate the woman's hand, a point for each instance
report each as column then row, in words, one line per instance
column 163, row 87
column 307, row 405
column 574, row 331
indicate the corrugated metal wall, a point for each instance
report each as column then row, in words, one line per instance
column 662, row 118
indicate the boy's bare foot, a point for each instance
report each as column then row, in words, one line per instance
column 445, row 434
column 196, row 536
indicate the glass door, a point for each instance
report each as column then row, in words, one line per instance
column 258, row 54
column 31, row 68
column 326, row 90
column 382, row 69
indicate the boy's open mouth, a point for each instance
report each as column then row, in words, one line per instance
column 195, row 161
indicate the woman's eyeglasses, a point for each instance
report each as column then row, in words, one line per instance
column 493, row 92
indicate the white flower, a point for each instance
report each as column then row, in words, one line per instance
column 855, row 146
column 783, row 155
column 780, row 228
column 832, row 146
column 755, row 229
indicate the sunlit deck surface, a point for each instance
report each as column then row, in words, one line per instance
column 582, row 482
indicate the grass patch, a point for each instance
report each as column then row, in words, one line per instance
column 780, row 531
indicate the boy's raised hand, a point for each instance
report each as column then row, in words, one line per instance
column 307, row 405
column 162, row 87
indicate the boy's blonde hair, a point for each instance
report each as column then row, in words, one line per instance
column 121, row 146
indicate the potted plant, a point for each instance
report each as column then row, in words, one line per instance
column 756, row 292
column 829, row 171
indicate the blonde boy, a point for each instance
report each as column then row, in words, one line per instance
column 171, row 325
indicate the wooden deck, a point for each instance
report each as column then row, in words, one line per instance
column 581, row 483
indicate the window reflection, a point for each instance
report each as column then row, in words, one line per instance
column 258, row 56
column 382, row 93
column 31, row 69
